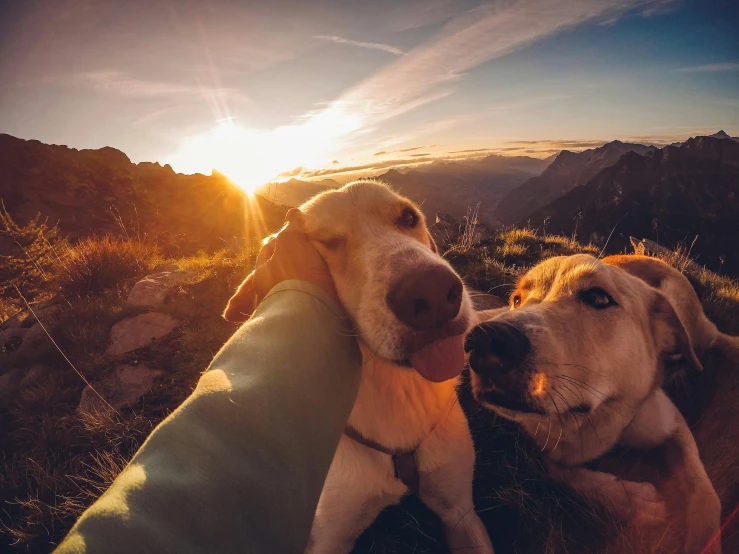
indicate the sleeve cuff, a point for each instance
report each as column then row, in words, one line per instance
column 310, row 289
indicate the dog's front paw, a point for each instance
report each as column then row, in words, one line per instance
column 703, row 523
column 637, row 505
column 468, row 535
column 641, row 505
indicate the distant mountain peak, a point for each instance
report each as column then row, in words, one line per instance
column 568, row 171
column 720, row 135
column 676, row 194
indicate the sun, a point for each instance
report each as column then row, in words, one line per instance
column 251, row 158
column 248, row 157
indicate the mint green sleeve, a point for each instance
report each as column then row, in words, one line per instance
column 240, row 465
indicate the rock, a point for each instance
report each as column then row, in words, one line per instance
column 164, row 267
column 34, row 374
column 14, row 321
column 12, row 338
column 26, row 319
column 33, row 338
column 9, row 381
column 121, row 389
column 152, row 290
column 139, row 331
column 444, row 229
column 14, row 379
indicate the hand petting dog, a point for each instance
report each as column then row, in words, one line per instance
column 287, row 255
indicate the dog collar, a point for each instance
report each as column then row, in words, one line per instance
column 404, row 461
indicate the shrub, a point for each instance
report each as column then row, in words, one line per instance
column 519, row 237
column 98, row 264
column 29, row 255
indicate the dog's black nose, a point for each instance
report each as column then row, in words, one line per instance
column 496, row 347
column 427, row 298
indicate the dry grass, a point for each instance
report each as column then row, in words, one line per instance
column 719, row 293
column 54, row 462
column 28, row 255
column 8, row 307
column 98, row 264
column 495, row 264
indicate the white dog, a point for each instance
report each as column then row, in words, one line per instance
column 411, row 311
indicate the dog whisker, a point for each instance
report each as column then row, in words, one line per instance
column 543, row 448
column 574, row 416
column 564, row 364
column 559, row 418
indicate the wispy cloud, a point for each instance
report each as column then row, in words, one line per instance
column 365, row 169
column 383, row 152
column 710, row 67
column 560, row 144
column 467, row 41
column 471, row 151
column 371, row 45
column 425, row 74
column 119, row 84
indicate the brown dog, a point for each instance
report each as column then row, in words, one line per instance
column 579, row 361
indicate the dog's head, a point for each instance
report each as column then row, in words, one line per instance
column 581, row 337
column 407, row 304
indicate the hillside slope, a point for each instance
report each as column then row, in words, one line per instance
column 453, row 187
column 93, row 192
column 673, row 195
column 295, row 191
column 567, row 171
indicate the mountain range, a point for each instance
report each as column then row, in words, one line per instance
column 568, row 171
column 94, row 192
column 455, row 187
column 294, row 192
column 447, row 186
column 678, row 194
column 672, row 195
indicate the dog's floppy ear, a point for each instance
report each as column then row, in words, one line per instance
column 241, row 304
column 670, row 336
column 432, row 244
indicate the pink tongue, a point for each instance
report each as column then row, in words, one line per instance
column 440, row 360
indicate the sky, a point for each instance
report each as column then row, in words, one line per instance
column 304, row 88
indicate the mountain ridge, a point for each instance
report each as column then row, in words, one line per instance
column 567, row 171
column 99, row 191
column 685, row 194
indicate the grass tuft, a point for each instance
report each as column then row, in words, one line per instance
column 98, row 264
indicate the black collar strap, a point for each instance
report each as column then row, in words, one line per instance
column 404, row 461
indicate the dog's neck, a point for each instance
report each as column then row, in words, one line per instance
column 583, row 438
column 396, row 405
column 576, row 441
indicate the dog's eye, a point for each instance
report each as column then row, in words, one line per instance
column 597, row 298
column 332, row 243
column 516, row 301
column 409, row 218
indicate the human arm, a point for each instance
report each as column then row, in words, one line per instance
column 240, row 465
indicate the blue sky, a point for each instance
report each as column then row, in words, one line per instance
column 285, row 85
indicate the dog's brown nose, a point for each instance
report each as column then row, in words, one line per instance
column 496, row 347
column 427, row 298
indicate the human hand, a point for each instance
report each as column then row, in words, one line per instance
column 287, row 255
